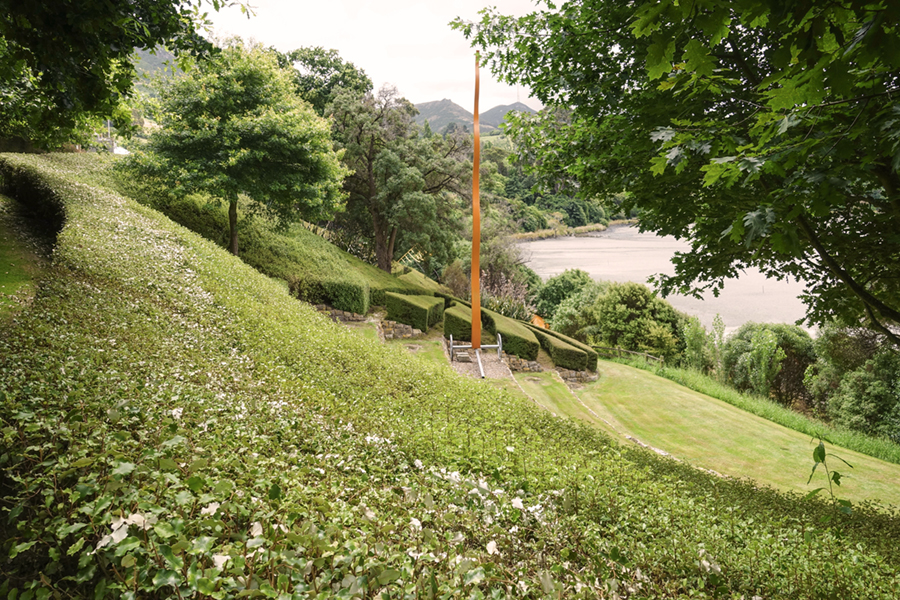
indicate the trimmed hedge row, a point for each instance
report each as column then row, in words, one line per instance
column 517, row 339
column 563, row 355
column 590, row 354
column 351, row 293
column 458, row 323
column 421, row 312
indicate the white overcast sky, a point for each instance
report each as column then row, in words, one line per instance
column 407, row 43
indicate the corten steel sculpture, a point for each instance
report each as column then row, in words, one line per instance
column 476, row 228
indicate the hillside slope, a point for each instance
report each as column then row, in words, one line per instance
column 174, row 424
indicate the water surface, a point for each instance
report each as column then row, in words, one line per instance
column 622, row 253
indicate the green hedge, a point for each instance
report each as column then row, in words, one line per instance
column 351, row 293
column 564, row 355
column 591, row 354
column 458, row 323
column 517, row 338
column 421, row 312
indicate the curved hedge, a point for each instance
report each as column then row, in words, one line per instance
column 421, row 312
column 563, row 355
column 590, row 354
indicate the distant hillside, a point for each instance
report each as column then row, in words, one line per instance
column 149, row 66
column 441, row 113
column 496, row 115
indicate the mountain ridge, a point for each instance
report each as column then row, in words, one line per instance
column 441, row 113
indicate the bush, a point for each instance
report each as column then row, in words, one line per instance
column 517, row 338
column 574, row 316
column 787, row 385
column 421, row 312
column 868, row 398
column 629, row 316
column 591, row 356
column 557, row 289
column 458, row 323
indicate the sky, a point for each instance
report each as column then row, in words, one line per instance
column 406, row 43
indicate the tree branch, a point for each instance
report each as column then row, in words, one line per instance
column 870, row 301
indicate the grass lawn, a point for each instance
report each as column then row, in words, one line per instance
column 18, row 264
column 714, row 435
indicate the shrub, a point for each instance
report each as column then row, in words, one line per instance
column 558, row 288
column 458, row 322
column 517, row 338
column 787, row 385
column 629, row 316
column 507, row 297
column 574, row 316
column 421, row 312
column 591, row 356
column 868, row 398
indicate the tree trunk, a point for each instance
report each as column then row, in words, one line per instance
column 384, row 241
column 232, row 225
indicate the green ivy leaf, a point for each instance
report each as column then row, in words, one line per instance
column 123, row 468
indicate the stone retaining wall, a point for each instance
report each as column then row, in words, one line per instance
column 340, row 315
column 520, row 365
column 570, row 376
column 393, row 330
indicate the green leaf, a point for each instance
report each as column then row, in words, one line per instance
column 164, row 530
column 196, row 483
column 83, row 462
column 812, row 494
column 388, row 576
column 166, row 578
column 697, row 58
column 123, row 468
column 274, row 492
column 76, row 546
column 659, row 58
column 819, row 453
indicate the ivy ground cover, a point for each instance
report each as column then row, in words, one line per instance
column 174, row 424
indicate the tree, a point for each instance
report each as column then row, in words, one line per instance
column 63, row 62
column 320, row 73
column 233, row 127
column 766, row 134
column 772, row 363
column 557, row 289
column 405, row 190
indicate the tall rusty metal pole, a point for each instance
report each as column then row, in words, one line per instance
column 476, row 227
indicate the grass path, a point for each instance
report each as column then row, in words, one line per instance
column 19, row 264
column 712, row 434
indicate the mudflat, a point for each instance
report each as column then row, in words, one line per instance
column 622, row 253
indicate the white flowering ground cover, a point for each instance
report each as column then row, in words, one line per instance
column 174, row 425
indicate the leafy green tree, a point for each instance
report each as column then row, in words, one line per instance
column 405, row 190
column 868, row 398
column 558, row 288
column 233, row 128
column 62, row 63
column 766, row 134
column 745, row 355
column 320, row 73
column 630, row 316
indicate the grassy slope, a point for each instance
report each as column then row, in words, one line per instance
column 157, row 376
column 702, row 430
column 715, row 435
column 881, row 448
column 19, row 263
